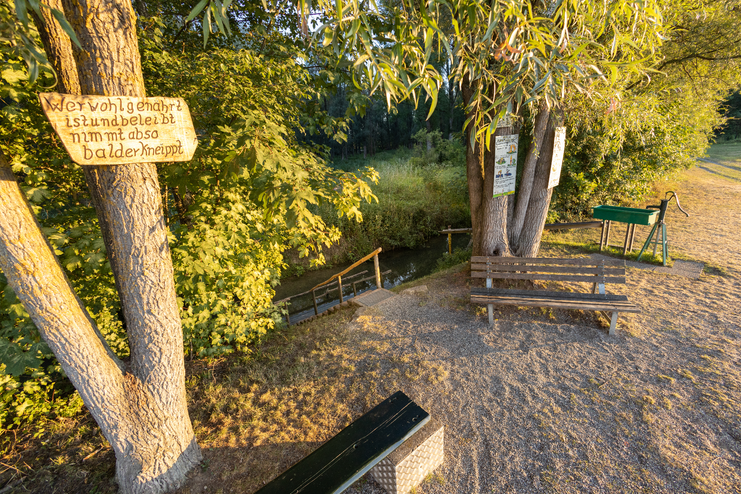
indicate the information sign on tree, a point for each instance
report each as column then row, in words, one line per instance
column 505, row 167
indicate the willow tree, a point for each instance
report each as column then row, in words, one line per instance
column 504, row 54
column 140, row 405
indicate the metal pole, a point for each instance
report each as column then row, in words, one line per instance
column 378, row 271
column 339, row 282
column 665, row 246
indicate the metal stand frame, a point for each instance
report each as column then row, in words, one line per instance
column 664, row 250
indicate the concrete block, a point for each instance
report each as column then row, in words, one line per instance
column 410, row 463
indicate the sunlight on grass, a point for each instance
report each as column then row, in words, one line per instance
column 727, row 152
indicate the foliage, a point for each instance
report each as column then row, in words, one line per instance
column 613, row 157
column 624, row 139
column 459, row 256
column 443, row 152
column 732, row 112
column 18, row 36
column 249, row 191
column 414, row 204
column 244, row 198
column 507, row 50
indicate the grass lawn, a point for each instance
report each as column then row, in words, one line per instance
column 727, row 153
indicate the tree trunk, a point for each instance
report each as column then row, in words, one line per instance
column 488, row 213
column 528, row 173
column 141, row 409
column 528, row 244
column 58, row 48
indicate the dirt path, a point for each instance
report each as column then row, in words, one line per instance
column 543, row 403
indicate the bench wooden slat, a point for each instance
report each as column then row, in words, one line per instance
column 496, row 268
column 356, row 449
column 583, row 261
column 507, row 292
column 550, row 277
column 617, row 306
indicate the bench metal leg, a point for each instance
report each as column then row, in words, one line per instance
column 613, row 323
column 490, row 307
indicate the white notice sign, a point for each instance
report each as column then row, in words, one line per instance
column 505, row 164
column 115, row 130
column 559, row 144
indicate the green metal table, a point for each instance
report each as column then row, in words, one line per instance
column 631, row 216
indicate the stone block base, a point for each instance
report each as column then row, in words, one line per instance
column 410, row 463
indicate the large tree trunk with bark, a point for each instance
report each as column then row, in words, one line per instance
column 141, row 408
column 501, row 226
column 488, row 213
column 528, row 244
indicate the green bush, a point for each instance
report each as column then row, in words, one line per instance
column 444, row 152
column 414, row 204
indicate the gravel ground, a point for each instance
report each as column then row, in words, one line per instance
column 546, row 401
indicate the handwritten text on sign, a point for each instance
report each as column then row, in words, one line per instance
column 114, row 130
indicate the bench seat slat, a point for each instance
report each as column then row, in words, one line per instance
column 566, row 303
column 496, row 268
column 506, row 292
column 354, row 451
column 550, row 277
column 583, row 261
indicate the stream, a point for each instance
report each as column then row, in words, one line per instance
column 404, row 265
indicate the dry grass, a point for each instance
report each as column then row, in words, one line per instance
column 661, row 413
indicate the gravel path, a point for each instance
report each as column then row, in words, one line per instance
column 543, row 402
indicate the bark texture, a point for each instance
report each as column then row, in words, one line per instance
column 540, row 198
column 501, row 226
column 528, row 174
column 58, row 48
column 152, row 435
column 488, row 213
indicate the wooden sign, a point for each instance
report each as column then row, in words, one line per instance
column 115, row 130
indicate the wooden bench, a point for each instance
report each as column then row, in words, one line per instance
column 597, row 272
column 342, row 460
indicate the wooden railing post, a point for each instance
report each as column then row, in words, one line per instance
column 450, row 242
column 378, row 271
column 339, row 283
column 313, row 296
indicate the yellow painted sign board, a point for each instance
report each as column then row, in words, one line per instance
column 116, row 130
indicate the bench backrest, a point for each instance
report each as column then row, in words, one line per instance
column 521, row 268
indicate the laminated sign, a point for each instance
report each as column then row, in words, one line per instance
column 559, row 144
column 505, row 164
column 115, row 130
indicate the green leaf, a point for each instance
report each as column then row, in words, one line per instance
column 206, row 27
column 21, row 12
column 65, row 25
column 15, row 359
column 13, row 76
column 197, row 10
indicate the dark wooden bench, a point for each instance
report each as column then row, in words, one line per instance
column 356, row 449
column 597, row 272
